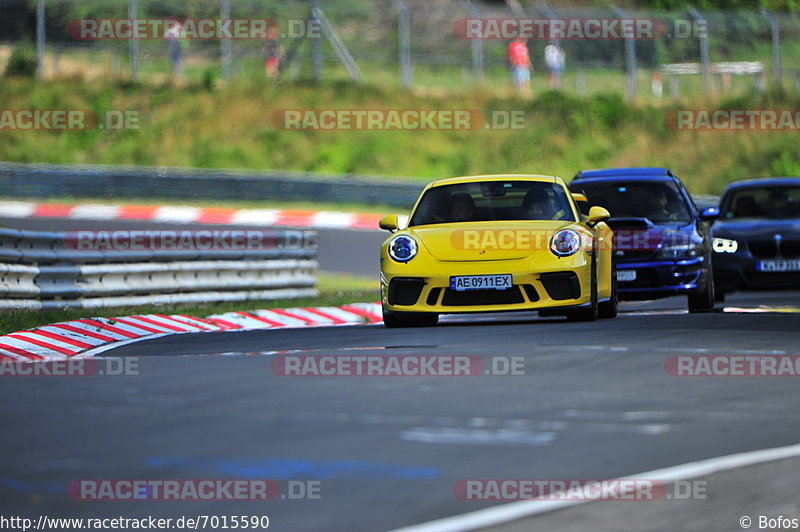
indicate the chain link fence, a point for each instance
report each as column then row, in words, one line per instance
column 411, row 43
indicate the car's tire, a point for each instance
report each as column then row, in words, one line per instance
column 703, row 300
column 393, row 320
column 589, row 313
column 610, row 309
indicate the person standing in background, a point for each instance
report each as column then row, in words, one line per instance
column 520, row 62
column 555, row 60
column 273, row 53
column 173, row 37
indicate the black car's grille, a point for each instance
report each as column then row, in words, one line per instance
column 778, row 279
column 769, row 249
column 763, row 249
column 790, row 249
column 454, row 298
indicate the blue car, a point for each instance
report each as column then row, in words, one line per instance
column 661, row 239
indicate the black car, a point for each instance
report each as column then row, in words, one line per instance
column 756, row 239
column 661, row 239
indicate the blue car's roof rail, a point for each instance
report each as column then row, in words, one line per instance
column 623, row 172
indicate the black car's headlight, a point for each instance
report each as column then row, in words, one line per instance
column 565, row 243
column 680, row 251
column 403, row 248
column 724, row 245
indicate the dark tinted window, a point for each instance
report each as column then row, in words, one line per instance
column 766, row 202
column 659, row 202
column 493, row 200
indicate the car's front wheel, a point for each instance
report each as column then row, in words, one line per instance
column 393, row 320
column 702, row 300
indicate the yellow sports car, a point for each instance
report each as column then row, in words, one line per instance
column 497, row 243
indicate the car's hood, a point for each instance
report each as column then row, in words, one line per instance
column 479, row 241
column 756, row 228
column 641, row 234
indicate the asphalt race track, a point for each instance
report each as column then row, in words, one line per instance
column 594, row 401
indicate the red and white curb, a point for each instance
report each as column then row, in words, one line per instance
column 191, row 215
column 91, row 335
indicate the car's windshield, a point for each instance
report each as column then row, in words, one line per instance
column 493, row 200
column 659, row 202
column 762, row 202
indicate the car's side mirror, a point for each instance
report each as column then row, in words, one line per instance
column 389, row 223
column 582, row 202
column 596, row 215
column 709, row 214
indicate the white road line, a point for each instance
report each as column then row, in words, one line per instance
column 518, row 510
column 87, row 211
column 177, row 214
column 264, row 217
column 17, row 209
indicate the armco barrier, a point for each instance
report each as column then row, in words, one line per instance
column 40, row 270
column 120, row 182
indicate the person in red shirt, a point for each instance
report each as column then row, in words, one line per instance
column 521, row 67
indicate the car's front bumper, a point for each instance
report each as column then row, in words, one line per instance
column 561, row 283
column 734, row 272
column 663, row 278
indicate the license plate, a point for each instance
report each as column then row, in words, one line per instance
column 626, row 275
column 462, row 283
column 778, row 265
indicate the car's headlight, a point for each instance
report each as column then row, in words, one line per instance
column 403, row 248
column 724, row 245
column 680, row 251
column 565, row 243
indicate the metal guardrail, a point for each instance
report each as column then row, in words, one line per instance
column 42, row 270
column 120, row 182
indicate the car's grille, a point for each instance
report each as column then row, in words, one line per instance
column 454, row 298
column 634, row 255
column 777, row 279
column 790, row 248
column 769, row 249
column 561, row 285
column 433, row 296
column 405, row 290
column 531, row 292
column 645, row 278
column 763, row 249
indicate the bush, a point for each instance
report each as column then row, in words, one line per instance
column 22, row 62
